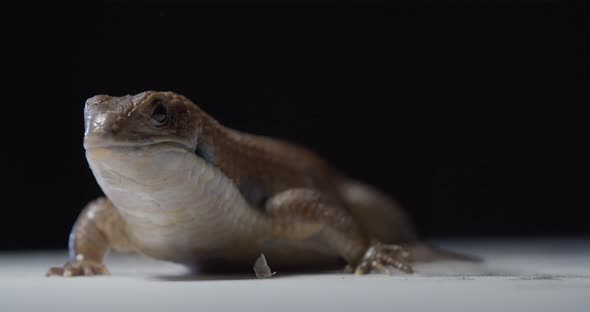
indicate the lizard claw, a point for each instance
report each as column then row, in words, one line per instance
column 381, row 258
column 79, row 268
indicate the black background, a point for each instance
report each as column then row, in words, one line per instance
column 469, row 112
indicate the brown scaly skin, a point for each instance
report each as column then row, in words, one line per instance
column 292, row 195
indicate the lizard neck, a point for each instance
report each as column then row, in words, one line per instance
column 217, row 143
column 261, row 166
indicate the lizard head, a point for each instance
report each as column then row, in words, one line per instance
column 144, row 119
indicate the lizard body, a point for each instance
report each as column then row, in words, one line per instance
column 181, row 187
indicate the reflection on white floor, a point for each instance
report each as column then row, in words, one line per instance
column 517, row 275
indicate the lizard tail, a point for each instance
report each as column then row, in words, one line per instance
column 425, row 252
column 384, row 220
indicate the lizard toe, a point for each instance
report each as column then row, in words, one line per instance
column 381, row 258
column 79, row 268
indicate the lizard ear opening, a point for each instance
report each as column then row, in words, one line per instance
column 205, row 152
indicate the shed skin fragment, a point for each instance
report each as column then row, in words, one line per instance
column 261, row 268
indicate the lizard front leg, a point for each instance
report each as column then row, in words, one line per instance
column 292, row 208
column 98, row 229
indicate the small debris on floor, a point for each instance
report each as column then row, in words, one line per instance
column 262, row 269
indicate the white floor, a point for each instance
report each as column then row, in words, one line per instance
column 518, row 275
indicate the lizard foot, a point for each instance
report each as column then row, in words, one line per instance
column 381, row 257
column 79, row 268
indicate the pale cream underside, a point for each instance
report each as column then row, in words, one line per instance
column 179, row 208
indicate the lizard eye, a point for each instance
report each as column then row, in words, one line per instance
column 160, row 114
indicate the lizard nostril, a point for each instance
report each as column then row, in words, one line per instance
column 97, row 99
column 115, row 124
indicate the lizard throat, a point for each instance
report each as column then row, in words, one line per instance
column 168, row 194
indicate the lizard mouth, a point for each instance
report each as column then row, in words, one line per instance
column 91, row 143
